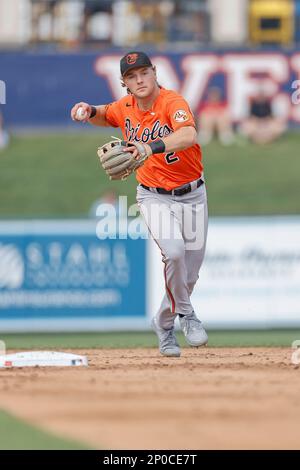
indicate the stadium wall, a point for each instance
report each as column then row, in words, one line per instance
column 42, row 87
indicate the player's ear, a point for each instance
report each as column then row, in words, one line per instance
column 123, row 84
column 154, row 70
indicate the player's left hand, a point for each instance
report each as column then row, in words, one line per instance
column 120, row 160
column 138, row 150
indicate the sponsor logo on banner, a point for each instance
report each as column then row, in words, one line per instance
column 50, row 275
column 11, row 267
column 239, row 74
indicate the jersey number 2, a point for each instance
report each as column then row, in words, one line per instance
column 171, row 158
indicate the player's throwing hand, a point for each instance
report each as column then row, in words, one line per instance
column 81, row 112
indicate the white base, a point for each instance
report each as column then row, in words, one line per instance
column 42, row 359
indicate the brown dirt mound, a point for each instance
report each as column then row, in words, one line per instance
column 210, row 398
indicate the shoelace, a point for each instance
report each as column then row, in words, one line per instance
column 169, row 335
column 192, row 324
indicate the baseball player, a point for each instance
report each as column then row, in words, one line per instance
column 171, row 192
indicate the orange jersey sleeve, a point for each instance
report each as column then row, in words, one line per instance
column 112, row 114
column 180, row 114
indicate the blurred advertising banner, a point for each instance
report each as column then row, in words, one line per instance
column 58, row 275
column 250, row 276
column 41, row 88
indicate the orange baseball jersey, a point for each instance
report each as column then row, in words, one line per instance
column 169, row 113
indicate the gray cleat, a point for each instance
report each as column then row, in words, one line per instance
column 168, row 345
column 193, row 330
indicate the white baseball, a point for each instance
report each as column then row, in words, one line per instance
column 81, row 114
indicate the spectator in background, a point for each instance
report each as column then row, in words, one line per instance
column 215, row 119
column 43, row 20
column 262, row 126
column 101, row 12
column 4, row 137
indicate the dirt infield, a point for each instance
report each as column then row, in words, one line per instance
column 211, row 398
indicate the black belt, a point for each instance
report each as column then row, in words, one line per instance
column 187, row 188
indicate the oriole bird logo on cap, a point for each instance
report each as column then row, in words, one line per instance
column 131, row 58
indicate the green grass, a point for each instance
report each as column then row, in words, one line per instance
column 18, row 435
column 146, row 339
column 251, row 179
column 59, row 176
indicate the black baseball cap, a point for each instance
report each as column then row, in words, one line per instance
column 134, row 59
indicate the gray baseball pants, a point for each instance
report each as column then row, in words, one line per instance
column 178, row 225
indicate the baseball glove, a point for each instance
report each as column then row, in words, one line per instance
column 119, row 164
